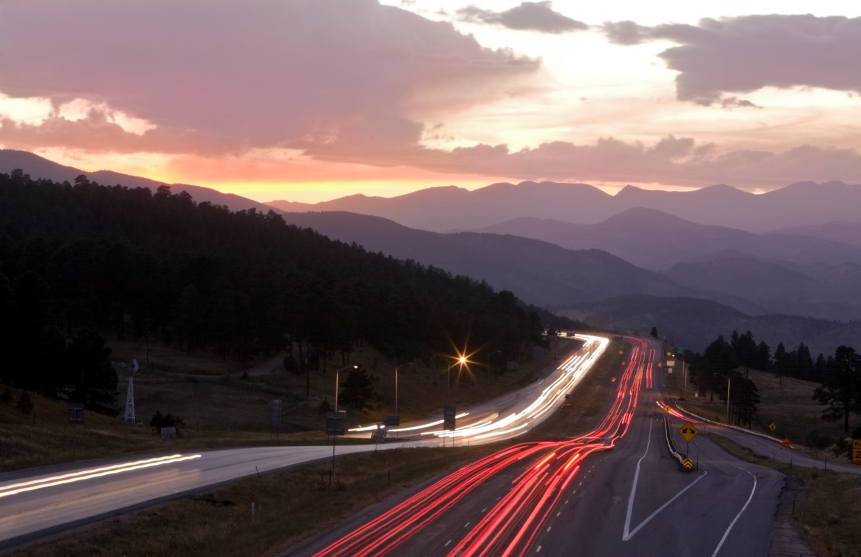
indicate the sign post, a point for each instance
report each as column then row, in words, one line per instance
column 449, row 420
column 688, row 431
column 274, row 417
column 392, row 421
column 335, row 425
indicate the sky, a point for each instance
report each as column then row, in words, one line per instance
column 308, row 100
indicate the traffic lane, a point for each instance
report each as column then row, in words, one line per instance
column 775, row 451
column 592, row 521
column 502, row 405
column 32, row 511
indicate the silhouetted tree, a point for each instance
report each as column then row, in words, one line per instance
column 841, row 390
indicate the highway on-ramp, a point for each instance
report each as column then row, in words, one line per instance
column 42, row 501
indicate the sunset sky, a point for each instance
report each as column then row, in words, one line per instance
column 308, row 100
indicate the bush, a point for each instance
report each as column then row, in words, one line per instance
column 160, row 420
column 324, row 407
column 24, row 403
column 817, row 438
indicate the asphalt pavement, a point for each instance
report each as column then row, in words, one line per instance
column 43, row 501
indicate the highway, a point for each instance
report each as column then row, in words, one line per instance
column 614, row 491
column 46, row 500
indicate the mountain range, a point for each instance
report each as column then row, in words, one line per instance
column 448, row 208
column 700, row 280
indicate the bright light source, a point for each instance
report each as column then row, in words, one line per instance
column 462, row 359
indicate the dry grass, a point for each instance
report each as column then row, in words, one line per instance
column 293, row 505
column 224, row 411
column 296, row 503
column 829, row 517
column 589, row 398
column 788, row 403
column 173, row 360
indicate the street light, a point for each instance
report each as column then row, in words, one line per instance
column 728, row 383
column 396, row 383
column 337, row 381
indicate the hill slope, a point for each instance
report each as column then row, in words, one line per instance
column 694, row 323
column 541, row 273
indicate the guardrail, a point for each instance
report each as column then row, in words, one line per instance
column 684, row 461
column 729, row 426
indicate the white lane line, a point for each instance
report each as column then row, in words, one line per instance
column 484, row 509
column 664, row 506
column 725, row 534
column 549, row 527
column 467, row 524
column 446, row 543
column 634, row 485
column 538, row 550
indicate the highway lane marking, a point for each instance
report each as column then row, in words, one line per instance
column 538, row 550
column 750, row 497
column 467, row 524
column 446, row 543
column 625, row 536
column 664, row 506
column 484, row 509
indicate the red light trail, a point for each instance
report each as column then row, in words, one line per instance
column 511, row 526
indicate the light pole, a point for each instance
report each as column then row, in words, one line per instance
column 728, row 383
column 396, row 383
column 337, row 381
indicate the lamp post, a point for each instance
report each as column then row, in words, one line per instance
column 337, row 381
column 396, row 383
column 728, row 384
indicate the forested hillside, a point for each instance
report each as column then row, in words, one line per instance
column 130, row 262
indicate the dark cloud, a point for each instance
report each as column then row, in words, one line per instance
column 220, row 76
column 744, row 54
column 528, row 16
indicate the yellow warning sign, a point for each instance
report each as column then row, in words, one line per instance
column 856, row 451
column 688, row 464
column 688, row 431
column 667, row 408
column 772, row 426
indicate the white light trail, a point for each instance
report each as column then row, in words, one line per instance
column 51, row 481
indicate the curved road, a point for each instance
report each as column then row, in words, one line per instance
column 38, row 502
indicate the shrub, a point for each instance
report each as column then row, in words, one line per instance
column 24, row 403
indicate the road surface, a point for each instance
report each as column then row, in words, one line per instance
column 42, row 501
column 614, row 491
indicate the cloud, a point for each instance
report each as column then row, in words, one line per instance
column 744, row 54
column 224, row 76
column 677, row 161
column 528, row 16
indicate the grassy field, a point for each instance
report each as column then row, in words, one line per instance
column 788, row 403
column 228, row 411
column 829, row 516
column 297, row 503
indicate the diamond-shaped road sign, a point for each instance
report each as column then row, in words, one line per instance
column 772, row 426
column 688, row 431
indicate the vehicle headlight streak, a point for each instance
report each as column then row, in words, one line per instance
column 512, row 525
column 572, row 369
column 51, row 481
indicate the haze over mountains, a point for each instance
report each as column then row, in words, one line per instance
column 636, row 268
column 449, row 208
